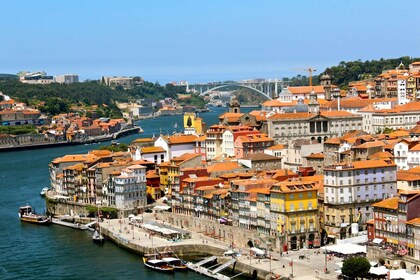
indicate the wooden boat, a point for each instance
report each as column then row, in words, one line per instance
column 158, row 265
column 27, row 215
column 176, row 263
column 97, row 236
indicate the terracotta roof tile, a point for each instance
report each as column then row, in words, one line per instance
column 316, row 156
column 389, row 203
column 150, row 150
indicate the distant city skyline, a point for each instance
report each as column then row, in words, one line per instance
column 202, row 41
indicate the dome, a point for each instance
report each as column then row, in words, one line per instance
column 285, row 91
column 234, row 101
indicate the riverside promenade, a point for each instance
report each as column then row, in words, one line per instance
column 139, row 240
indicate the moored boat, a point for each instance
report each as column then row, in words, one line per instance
column 97, row 237
column 27, row 215
column 158, row 265
column 44, row 191
column 176, row 263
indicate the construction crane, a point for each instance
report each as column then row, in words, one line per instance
column 310, row 70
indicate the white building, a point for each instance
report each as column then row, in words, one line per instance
column 402, row 89
column 67, row 79
column 351, row 188
column 403, row 116
column 176, row 145
column 152, row 154
column 130, row 187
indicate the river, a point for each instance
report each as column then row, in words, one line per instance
column 38, row 252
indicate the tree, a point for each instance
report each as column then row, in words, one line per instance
column 189, row 122
column 356, row 267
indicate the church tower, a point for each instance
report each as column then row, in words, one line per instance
column 325, row 81
column 313, row 106
column 234, row 106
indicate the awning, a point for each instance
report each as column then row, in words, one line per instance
column 377, row 240
column 330, row 236
column 382, row 270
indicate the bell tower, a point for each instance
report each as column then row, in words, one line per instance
column 234, row 106
column 313, row 106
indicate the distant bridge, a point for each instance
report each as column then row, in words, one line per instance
column 267, row 88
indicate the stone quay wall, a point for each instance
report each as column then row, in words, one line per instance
column 238, row 237
column 188, row 250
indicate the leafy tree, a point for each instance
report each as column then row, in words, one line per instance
column 356, row 267
column 115, row 148
column 387, row 130
column 189, row 122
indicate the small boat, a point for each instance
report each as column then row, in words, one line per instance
column 43, row 191
column 176, row 263
column 27, row 215
column 158, row 265
column 97, row 237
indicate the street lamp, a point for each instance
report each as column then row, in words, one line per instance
column 268, row 254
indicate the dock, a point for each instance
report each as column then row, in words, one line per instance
column 198, row 267
column 68, row 224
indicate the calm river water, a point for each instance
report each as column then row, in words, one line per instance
column 36, row 252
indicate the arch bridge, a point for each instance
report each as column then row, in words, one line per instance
column 268, row 88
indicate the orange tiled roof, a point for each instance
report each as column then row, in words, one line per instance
column 335, row 141
column 316, row 156
column 223, row 166
column 399, row 133
column 231, row 117
column 142, row 140
column 368, row 145
column 293, row 186
column 381, row 155
column 276, row 147
column 150, row 150
column 415, row 148
column 405, row 176
column 415, row 221
column 290, row 116
column 182, row 139
column 306, row 89
column 363, row 164
column 75, row 158
column 389, row 203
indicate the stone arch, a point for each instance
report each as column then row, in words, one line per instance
column 293, row 243
column 311, row 238
column 302, row 240
column 403, row 265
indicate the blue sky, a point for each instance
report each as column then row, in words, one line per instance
column 201, row 40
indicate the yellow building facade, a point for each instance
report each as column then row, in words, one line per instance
column 295, row 206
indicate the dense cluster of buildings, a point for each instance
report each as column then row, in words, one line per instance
column 60, row 128
column 301, row 172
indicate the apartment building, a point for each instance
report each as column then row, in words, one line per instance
column 294, row 207
column 351, row 188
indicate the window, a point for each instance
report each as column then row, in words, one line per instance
column 300, row 195
column 292, row 207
